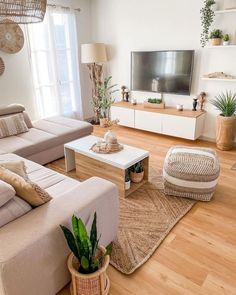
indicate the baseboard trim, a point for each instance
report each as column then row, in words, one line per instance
column 209, row 139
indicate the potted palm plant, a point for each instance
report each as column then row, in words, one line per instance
column 88, row 261
column 137, row 172
column 105, row 91
column 225, row 132
column 216, row 37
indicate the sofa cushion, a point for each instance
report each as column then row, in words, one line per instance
column 17, row 167
column 11, row 109
column 25, row 189
column 7, row 192
column 12, row 125
column 12, row 210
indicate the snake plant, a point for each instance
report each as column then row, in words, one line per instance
column 85, row 247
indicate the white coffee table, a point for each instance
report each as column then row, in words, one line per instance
column 78, row 154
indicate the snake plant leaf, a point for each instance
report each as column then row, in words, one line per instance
column 93, row 233
column 84, row 263
column 85, row 242
column 109, row 249
column 70, row 240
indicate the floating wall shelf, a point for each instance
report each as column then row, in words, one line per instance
column 225, row 11
column 221, row 46
column 219, row 80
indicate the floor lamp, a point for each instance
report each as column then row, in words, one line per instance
column 94, row 55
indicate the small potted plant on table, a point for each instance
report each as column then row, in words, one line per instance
column 137, row 172
column 225, row 130
column 88, row 261
column 216, row 37
column 127, row 180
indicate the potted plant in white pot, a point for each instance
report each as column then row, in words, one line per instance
column 88, row 261
column 216, row 37
column 137, row 172
column 127, row 180
column 226, row 40
column 225, row 129
column 105, row 91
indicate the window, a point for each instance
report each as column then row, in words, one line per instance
column 55, row 67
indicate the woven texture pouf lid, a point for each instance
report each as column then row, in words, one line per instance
column 191, row 172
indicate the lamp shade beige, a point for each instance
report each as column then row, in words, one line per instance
column 93, row 53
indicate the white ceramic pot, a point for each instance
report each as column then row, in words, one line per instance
column 179, row 107
column 127, row 185
column 226, row 43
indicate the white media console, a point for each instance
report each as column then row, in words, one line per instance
column 169, row 121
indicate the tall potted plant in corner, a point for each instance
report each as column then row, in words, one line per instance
column 88, row 261
column 207, row 17
column 105, row 91
column 225, row 130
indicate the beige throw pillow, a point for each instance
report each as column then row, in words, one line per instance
column 12, row 125
column 16, row 167
column 25, row 189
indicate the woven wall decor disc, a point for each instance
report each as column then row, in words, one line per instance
column 11, row 37
column 2, row 66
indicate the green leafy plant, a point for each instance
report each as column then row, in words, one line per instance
column 84, row 247
column 225, row 103
column 137, row 168
column 105, row 91
column 154, row 100
column 207, row 17
column 226, row 38
column 216, row 34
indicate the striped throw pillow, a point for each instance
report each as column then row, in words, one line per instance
column 12, row 125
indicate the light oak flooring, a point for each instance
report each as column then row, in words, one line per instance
column 199, row 255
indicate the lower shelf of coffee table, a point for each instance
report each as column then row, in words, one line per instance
column 134, row 187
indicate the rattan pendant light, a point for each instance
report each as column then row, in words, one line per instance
column 23, row 11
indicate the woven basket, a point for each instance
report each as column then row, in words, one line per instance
column 136, row 177
column 96, row 283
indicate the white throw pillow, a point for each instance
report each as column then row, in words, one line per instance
column 17, row 167
column 12, row 125
column 7, row 193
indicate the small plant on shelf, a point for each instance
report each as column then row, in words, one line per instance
column 207, row 18
column 154, row 100
column 127, row 179
column 137, row 172
column 216, row 37
column 226, row 39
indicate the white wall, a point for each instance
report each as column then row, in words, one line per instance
column 157, row 24
column 16, row 83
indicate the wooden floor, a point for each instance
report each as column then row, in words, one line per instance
column 199, row 255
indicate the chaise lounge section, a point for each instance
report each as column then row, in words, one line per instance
column 44, row 142
column 34, row 252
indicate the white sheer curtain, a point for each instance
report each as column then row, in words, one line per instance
column 53, row 49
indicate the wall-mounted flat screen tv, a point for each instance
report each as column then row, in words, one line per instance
column 162, row 71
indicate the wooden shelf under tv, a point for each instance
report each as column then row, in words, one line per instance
column 167, row 111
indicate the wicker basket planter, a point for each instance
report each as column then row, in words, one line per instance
column 225, row 132
column 136, row 177
column 96, row 283
column 216, row 41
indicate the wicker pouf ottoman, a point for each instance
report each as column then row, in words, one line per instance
column 191, row 173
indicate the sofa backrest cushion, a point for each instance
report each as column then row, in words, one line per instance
column 7, row 192
column 15, row 109
column 25, row 189
column 12, row 125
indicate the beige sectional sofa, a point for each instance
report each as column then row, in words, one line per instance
column 44, row 142
column 33, row 251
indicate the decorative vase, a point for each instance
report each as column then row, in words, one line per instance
column 103, row 122
column 127, row 185
column 136, row 177
column 110, row 137
column 215, row 41
column 194, row 104
column 94, row 283
column 225, row 132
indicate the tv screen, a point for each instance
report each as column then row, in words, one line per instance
column 162, row 71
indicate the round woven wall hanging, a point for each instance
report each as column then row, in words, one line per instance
column 2, row 66
column 11, row 37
